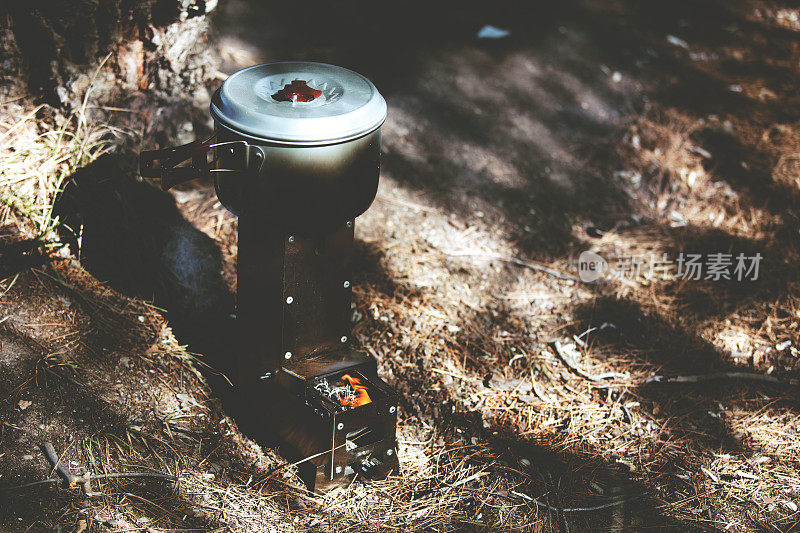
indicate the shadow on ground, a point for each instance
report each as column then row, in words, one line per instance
column 132, row 235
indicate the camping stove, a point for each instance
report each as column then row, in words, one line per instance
column 296, row 155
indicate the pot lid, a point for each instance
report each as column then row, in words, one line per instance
column 299, row 103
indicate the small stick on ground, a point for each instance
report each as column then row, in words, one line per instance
column 713, row 376
column 606, row 505
column 518, row 262
column 559, row 351
column 70, row 480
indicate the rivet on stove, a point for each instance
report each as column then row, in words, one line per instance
column 289, row 300
column 287, row 355
column 349, row 223
column 291, row 238
column 389, row 451
column 346, row 284
column 392, row 409
column 340, row 426
column 344, row 338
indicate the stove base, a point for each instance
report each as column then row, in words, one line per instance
column 335, row 443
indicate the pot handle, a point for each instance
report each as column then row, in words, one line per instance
column 163, row 164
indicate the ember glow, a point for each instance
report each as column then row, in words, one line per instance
column 361, row 397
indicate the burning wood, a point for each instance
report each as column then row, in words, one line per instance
column 361, row 394
column 349, row 391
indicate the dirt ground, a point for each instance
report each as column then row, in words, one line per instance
column 530, row 400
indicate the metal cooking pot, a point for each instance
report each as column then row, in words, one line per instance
column 295, row 142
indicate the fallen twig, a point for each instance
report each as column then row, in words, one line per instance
column 279, row 468
column 93, row 477
column 464, row 481
column 70, row 480
column 559, row 351
column 518, row 262
column 701, row 378
column 57, row 466
column 606, row 505
column 405, row 203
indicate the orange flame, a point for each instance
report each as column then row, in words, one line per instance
column 362, row 397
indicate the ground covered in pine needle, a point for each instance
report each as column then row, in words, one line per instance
column 531, row 400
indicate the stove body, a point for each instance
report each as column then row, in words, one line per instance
column 293, row 333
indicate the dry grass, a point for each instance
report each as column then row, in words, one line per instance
column 37, row 155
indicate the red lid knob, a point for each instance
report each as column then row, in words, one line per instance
column 297, row 91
